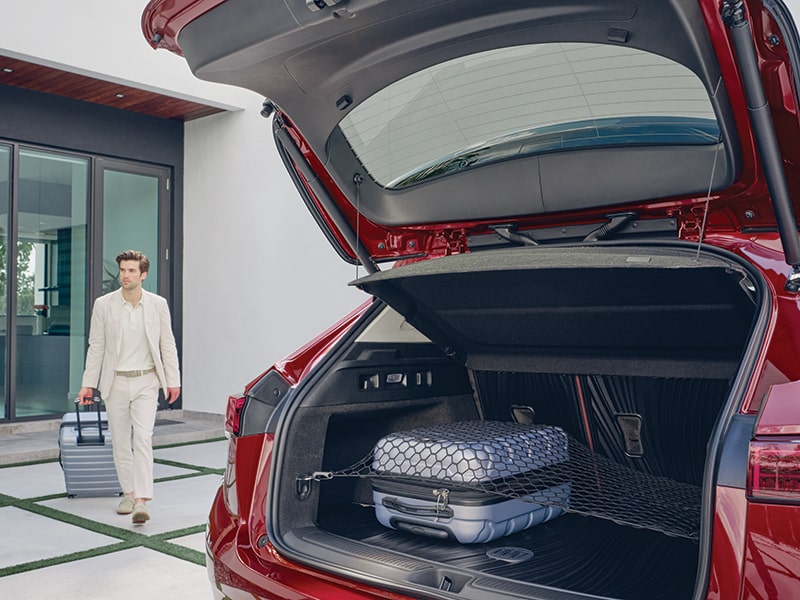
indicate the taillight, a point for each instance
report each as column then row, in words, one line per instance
column 774, row 471
column 233, row 414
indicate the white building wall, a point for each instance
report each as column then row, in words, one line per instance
column 259, row 277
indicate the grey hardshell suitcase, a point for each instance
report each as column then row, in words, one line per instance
column 456, row 464
column 85, row 454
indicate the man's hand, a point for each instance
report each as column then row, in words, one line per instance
column 86, row 396
column 172, row 394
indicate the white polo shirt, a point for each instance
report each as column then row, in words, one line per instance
column 134, row 353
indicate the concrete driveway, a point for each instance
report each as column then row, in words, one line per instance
column 64, row 548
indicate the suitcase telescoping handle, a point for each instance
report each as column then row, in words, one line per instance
column 100, row 439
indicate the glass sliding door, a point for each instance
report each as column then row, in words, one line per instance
column 64, row 218
column 5, row 200
column 49, row 282
column 134, row 197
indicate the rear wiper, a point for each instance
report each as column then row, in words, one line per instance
column 617, row 221
column 510, row 234
column 457, row 162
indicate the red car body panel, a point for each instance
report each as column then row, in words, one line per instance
column 744, row 204
column 296, row 365
column 728, row 551
column 240, row 564
column 756, row 544
column 162, row 20
column 781, row 415
column 249, row 455
column 772, row 552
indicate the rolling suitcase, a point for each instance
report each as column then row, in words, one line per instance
column 447, row 481
column 85, row 454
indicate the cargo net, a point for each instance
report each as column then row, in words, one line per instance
column 535, row 463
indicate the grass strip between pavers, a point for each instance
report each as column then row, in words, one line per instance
column 192, row 443
column 65, row 558
column 41, row 461
column 187, row 476
column 161, row 542
column 78, row 521
column 159, row 545
column 181, row 465
column 177, row 533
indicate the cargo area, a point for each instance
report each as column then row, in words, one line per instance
column 630, row 351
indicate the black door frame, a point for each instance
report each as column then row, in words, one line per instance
column 164, row 176
column 98, row 165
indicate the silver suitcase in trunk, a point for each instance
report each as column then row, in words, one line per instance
column 84, row 444
column 457, row 466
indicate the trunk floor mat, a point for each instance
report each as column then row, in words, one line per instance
column 572, row 552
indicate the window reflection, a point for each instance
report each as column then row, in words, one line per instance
column 50, row 284
column 5, row 196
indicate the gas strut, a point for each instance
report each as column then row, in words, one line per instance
column 296, row 162
column 763, row 128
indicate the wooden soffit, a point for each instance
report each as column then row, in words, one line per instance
column 32, row 76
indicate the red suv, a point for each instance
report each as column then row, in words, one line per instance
column 579, row 379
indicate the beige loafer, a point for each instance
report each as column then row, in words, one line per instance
column 125, row 506
column 140, row 514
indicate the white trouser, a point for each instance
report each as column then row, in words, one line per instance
column 132, row 405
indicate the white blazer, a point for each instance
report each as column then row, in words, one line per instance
column 105, row 337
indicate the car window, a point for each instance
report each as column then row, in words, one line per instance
column 524, row 100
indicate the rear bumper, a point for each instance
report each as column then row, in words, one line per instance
column 235, row 572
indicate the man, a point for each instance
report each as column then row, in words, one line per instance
column 131, row 356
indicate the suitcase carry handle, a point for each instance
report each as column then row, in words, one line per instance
column 417, row 511
column 100, row 440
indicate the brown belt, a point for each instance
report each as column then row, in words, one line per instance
column 135, row 373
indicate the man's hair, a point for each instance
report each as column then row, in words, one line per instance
column 144, row 262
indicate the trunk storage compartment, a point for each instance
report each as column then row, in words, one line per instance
column 629, row 351
column 623, row 516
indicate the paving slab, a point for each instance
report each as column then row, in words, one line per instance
column 32, row 481
column 196, row 541
column 164, row 471
column 125, row 575
column 213, row 455
column 177, row 504
column 47, row 479
column 28, row 537
column 120, row 574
